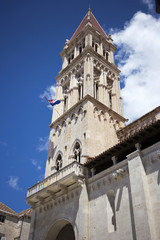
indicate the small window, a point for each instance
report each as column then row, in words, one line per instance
column 80, row 49
column 59, row 162
column 83, row 43
column 96, row 47
column 110, row 99
column 77, row 152
column 69, row 60
column 106, row 56
column 2, row 218
column 93, row 43
column 103, row 53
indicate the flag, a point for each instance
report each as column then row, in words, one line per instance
column 53, row 101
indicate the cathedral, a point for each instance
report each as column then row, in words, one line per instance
column 102, row 178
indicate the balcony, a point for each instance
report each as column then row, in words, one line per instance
column 57, row 183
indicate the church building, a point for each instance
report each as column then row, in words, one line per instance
column 102, row 178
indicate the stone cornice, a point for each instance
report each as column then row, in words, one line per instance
column 94, row 101
column 81, row 57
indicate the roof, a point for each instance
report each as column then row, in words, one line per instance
column 7, row 209
column 146, row 136
column 89, row 17
column 26, row 212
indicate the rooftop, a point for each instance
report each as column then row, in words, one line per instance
column 89, row 17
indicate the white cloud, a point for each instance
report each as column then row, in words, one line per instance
column 49, row 93
column 43, row 145
column 139, row 61
column 36, row 165
column 149, row 3
column 13, row 183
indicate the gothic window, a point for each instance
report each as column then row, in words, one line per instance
column 58, row 164
column 106, row 56
column 110, row 99
column 96, row 47
column 84, row 43
column 97, row 91
column 93, row 43
column 79, row 92
column 80, row 49
column 77, row 152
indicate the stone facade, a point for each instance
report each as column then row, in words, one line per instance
column 102, row 178
column 13, row 225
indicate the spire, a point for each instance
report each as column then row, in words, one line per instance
column 89, row 17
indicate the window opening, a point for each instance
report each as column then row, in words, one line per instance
column 83, row 43
column 80, row 49
column 96, row 47
column 77, row 152
column 2, row 218
column 79, row 92
column 106, row 56
column 97, row 91
column 110, row 99
column 59, row 162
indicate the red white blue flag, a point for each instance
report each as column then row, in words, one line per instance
column 53, row 101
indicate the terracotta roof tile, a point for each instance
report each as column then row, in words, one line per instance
column 5, row 208
column 26, row 212
column 94, row 23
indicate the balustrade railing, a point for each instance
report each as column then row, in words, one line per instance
column 75, row 167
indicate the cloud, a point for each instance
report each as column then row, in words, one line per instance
column 13, row 183
column 50, row 94
column 36, row 165
column 43, row 144
column 149, row 4
column 139, row 61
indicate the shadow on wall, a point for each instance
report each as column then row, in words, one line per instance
column 63, row 219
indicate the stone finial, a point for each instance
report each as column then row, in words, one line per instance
column 114, row 159
column 66, row 44
column 138, row 146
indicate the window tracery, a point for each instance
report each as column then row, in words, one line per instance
column 77, row 152
column 58, row 163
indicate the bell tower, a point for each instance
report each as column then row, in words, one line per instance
column 88, row 85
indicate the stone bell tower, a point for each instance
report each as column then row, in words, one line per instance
column 102, row 179
column 90, row 113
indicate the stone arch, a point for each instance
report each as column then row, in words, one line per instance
column 61, row 229
column 76, row 150
column 58, row 161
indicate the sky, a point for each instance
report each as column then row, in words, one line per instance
column 32, row 34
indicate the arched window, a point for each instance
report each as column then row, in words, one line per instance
column 77, row 152
column 58, row 162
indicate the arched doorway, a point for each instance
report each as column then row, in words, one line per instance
column 66, row 233
column 61, row 230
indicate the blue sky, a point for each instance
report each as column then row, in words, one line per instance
column 33, row 34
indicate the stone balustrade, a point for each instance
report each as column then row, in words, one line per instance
column 67, row 175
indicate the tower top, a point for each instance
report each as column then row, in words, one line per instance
column 89, row 18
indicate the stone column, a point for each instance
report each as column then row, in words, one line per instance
column 101, row 88
column 88, row 76
column 139, row 196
